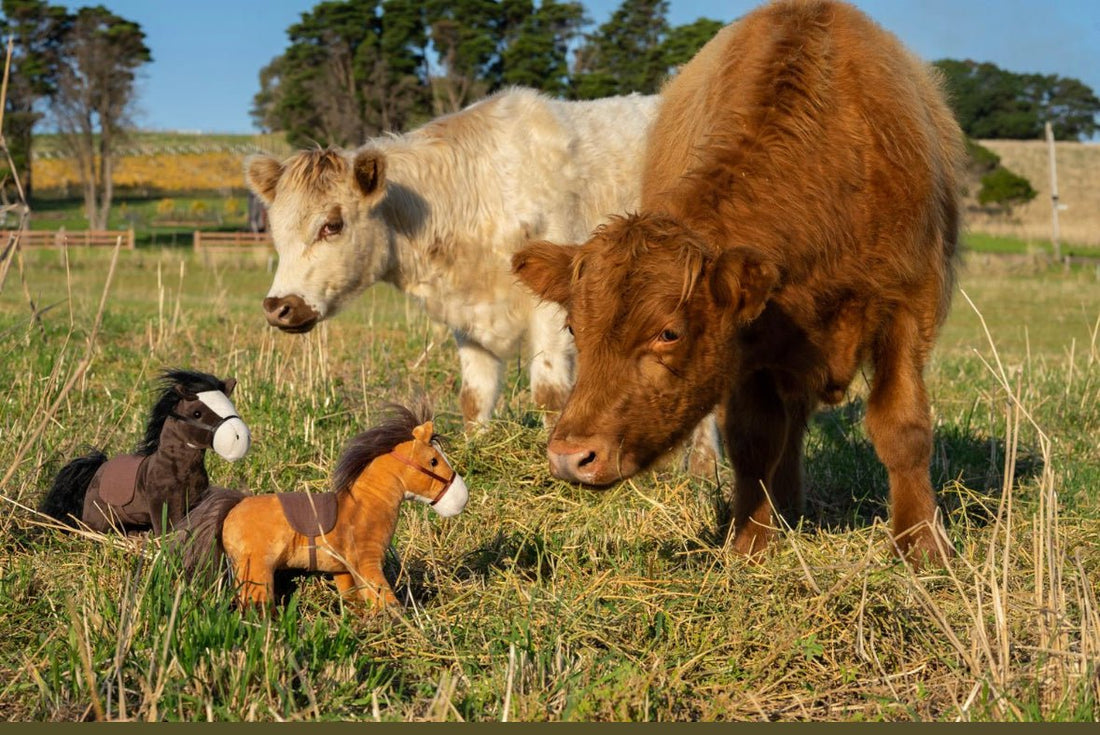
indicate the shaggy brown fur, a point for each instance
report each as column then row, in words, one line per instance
column 799, row 216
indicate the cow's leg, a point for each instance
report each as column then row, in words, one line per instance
column 787, row 485
column 552, row 359
column 900, row 426
column 481, row 376
column 756, row 433
column 704, row 449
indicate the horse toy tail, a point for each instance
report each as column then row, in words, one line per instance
column 203, row 551
column 65, row 500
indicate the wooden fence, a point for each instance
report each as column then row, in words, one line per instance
column 231, row 242
column 68, row 238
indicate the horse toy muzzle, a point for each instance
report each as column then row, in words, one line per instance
column 230, row 438
column 452, row 498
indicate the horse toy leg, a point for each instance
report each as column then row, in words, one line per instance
column 255, row 579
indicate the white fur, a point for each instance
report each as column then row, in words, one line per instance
column 232, row 438
column 454, row 500
column 218, row 402
column 462, row 194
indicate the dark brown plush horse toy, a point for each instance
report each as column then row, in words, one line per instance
column 166, row 476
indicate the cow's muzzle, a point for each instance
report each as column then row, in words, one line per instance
column 290, row 313
column 588, row 461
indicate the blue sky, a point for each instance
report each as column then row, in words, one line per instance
column 208, row 53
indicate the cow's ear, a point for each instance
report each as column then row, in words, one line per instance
column 262, row 173
column 369, row 168
column 546, row 269
column 742, row 280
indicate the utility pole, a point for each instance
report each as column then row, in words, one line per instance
column 1053, row 193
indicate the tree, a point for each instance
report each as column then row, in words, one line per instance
column 99, row 61
column 991, row 102
column 352, row 69
column 683, row 42
column 1003, row 187
column 624, row 55
column 535, row 52
column 636, row 50
column 37, row 29
column 466, row 36
column 401, row 71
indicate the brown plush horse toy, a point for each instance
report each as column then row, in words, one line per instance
column 344, row 533
column 158, row 484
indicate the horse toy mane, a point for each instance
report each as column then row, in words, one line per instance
column 166, row 476
column 364, row 448
column 344, row 532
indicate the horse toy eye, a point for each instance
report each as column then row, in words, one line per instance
column 197, row 414
column 434, row 461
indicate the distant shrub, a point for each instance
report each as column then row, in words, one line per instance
column 982, row 160
column 1003, row 187
column 166, row 207
column 231, row 207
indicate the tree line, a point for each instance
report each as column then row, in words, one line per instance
column 352, row 69
column 78, row 69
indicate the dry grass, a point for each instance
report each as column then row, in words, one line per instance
column 544, row 601
column 1078, row 166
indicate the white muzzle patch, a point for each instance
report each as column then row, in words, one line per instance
column 232, row 438
column 454, row 500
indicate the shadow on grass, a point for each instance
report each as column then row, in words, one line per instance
column 524, row 554
column 847, row 486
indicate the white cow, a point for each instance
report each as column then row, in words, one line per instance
column 438, row 213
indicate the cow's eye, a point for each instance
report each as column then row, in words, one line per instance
column 570, row 328
column 668, row 336
column 331, row 229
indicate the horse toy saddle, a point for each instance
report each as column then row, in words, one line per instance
column 118, row 479
column 311, row 515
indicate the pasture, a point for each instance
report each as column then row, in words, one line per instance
column 543, row 600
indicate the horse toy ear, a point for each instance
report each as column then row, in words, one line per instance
column 230, row 384
column 185, row 393
column 424, row 432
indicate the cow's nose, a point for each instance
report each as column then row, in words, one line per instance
column 579, row 461
column 290, row 313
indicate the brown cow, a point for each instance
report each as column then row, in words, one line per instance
column 799, row 216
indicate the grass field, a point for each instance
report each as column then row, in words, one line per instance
column 545, row 601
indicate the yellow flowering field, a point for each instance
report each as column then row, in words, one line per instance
column 161, row 172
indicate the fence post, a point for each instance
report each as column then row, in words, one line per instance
column 1054, row 235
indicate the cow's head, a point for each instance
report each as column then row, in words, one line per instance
column 654, row 311
column 331, row 239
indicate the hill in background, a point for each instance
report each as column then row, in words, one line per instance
column 159, row 164
column 1078, row 167
column 173, row 164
